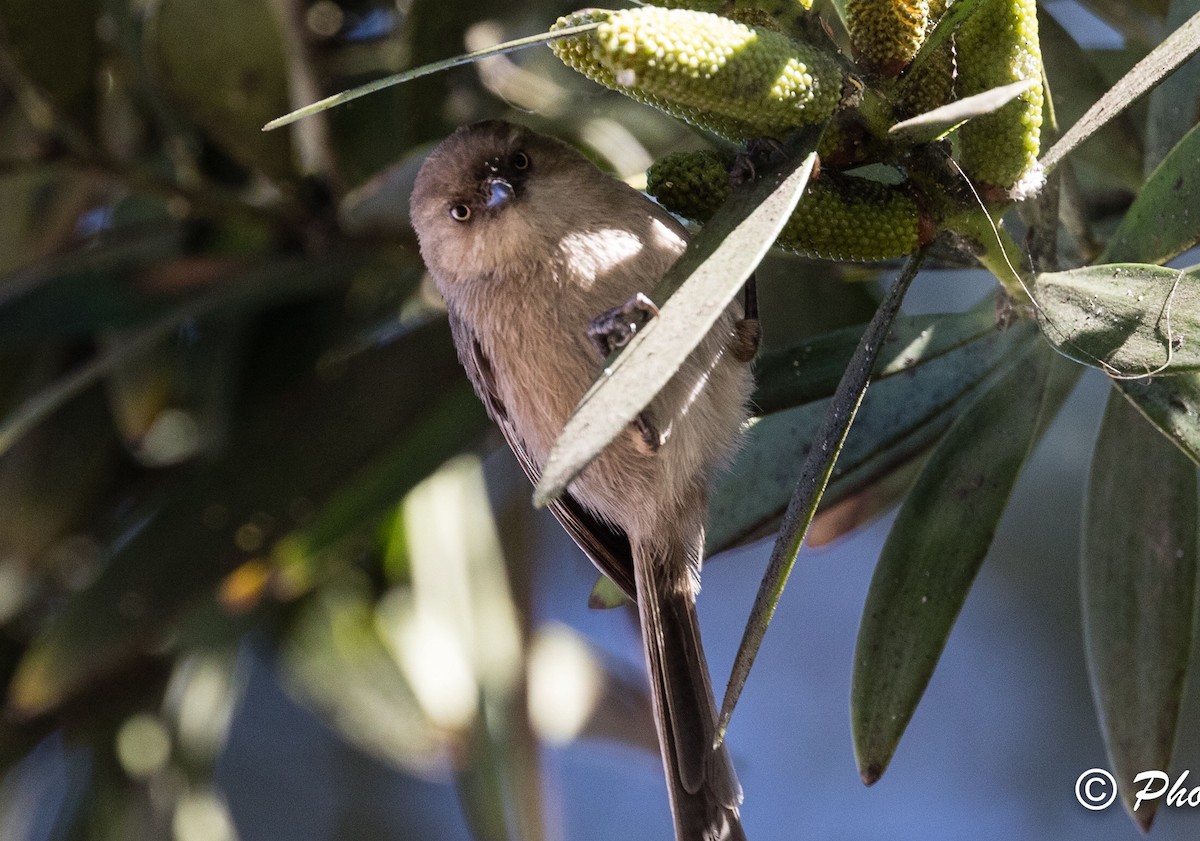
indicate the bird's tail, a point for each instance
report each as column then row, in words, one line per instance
column 703, row 787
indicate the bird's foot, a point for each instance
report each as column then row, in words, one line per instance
column 746, row 337
column 647, row 438
column 614, row 328
column 760, row 152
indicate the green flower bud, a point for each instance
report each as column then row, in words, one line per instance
column 886, row 34
column 932, row 85
column 839, row 217
column 998, row 45
column 736, row 80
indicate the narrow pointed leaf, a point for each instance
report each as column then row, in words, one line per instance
column 933, row 124
column 933, row 553
column 885, row 485
column 704, row 280
column 480, row 783
column 1164, row 219
column 1126, row 319
column 1172, row 404
column 1138, row 583
column 462, row 597
column 1160, row 62
column 899, row 417
column 424, row 70
column 811, row 370
column 60, row 294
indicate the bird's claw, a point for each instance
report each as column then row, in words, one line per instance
column 759, row 152
column 614, row 328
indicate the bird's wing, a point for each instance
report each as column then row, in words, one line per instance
column 606, row 546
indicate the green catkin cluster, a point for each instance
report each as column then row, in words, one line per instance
column 736, row 80
column 779, row 8
column 932, row 84
column 886, row 34
column 714, row 6
column 838, row 218
column 690, row 184
column 998, row 45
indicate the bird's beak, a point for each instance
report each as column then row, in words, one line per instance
column 500, row 192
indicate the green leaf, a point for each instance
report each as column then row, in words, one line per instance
column 876, row 487
column 1173, row 405
column 811, row 370
column 1138, row 581
column 480, row 780
column 424, row 70
column 703, row 282
column 1164, row 219
column 933, row 553
column 449, row 423
column 231, row 80
column 899, row 417
column 1125, row 319
column 1161, row 61
column 172, row 402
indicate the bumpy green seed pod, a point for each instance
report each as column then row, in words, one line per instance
column 838, row 218
column 848, row 141
column 886, row 34
column 577, row 53
column 932, row 84
column 775, row 7
column 998, row 45
column 736, row 80
column 691, row 184
column 713, row 6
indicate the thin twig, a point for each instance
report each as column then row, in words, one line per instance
column 814, row 477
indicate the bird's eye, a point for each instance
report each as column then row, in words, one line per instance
column 520, row 160
column 460, row 213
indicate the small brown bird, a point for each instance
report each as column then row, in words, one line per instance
column 543, row 261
